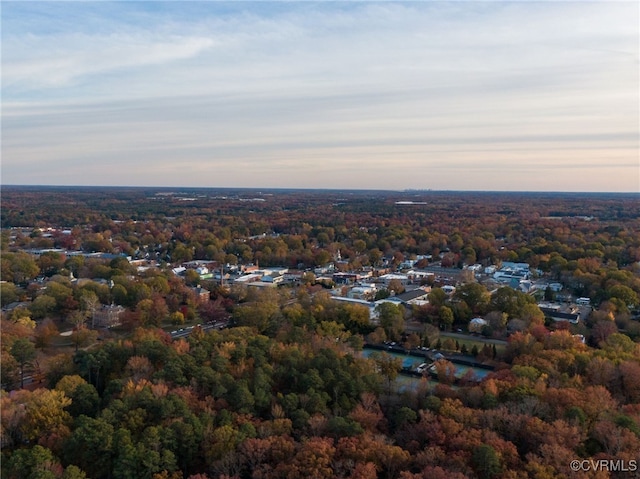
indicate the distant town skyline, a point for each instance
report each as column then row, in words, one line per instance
column 502, row 96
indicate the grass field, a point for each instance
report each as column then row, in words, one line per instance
column 479, row 342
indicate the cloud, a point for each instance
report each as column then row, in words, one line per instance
column 344, row 90
column 75, row 58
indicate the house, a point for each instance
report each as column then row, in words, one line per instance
column 554, row 312
column 407, row 264
column 510, row 271
column 249, row 268
column 555, row 287
column 415, row 296
column 324, row 280
column 108, row 316
column 293, row 276
column 15, row 305
column 179, row 271
column 526, row 286
column 346, row 278
column 327, row 268
column 448, row 289
column 510, row 266
column 507, row 276
column 221, row 278
column 477, row 324
column 274, row 271
column 202, row 295
column 422, row 368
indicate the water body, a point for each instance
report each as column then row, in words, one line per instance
column 412, row 362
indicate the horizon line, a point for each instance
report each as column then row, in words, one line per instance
column 294, row 188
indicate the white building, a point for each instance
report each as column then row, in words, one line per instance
column 387, row 278
column 362, row 291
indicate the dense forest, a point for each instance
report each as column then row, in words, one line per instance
column 286, row 381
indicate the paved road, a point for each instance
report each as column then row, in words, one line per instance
column 470, row 337
column 184, row 332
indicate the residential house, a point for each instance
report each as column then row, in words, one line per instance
column 554, row 312
column 107, row 316
column 202, row 295
column 346, row 278
column 476, row 325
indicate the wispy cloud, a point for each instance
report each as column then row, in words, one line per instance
column 69, row 64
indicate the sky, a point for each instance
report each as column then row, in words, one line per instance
column 461, row 95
